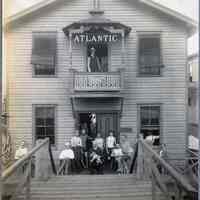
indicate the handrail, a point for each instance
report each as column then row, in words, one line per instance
column 177, row 176
column 10, row 170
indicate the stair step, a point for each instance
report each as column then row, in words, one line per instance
column 91, row 187
column 99, row 191
column 94, row 196
column 85, row 187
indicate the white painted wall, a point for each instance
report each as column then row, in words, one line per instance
column 170, row 89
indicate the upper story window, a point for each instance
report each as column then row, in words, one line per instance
column 44, row 53
column 149, row 55
column 45, row 122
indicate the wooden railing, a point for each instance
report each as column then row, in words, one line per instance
column 151, row 165
column 22, row 170
column 94, row 81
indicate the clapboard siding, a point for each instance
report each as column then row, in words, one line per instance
column 169, row 90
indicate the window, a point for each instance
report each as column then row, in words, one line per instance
column 149, row 55
column 150, row 123
column 44, row 53
column 45, row 123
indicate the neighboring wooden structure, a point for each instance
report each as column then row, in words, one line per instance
column 193, row 96
column 17, row 177
column 69, row 90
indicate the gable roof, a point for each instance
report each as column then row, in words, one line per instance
column 190, row 23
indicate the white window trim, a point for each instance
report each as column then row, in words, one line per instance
column 149, row 34
column 139, row 105
column 55, row 66
column 34, row 106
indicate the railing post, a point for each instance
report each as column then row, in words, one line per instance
column 42, row 162
column 28, row 184
column 140, row 167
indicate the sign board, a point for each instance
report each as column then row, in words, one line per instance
column 95, row 37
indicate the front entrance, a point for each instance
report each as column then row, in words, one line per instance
column 99, row 123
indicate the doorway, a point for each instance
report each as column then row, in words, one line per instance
column 99, row 123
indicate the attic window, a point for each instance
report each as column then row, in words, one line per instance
column 44, row 53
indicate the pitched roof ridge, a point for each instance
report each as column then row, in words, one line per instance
column 192, row 24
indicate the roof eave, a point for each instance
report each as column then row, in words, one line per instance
column 66, row 29
column 190, row 23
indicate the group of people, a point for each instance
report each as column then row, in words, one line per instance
column 84, row 152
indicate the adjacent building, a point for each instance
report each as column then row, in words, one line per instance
column 134, row 83
column 193, row 97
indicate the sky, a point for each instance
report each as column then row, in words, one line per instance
column 186, row 7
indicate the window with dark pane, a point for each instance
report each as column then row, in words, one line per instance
column 149, row 55
column 150, row 123
column 44, row 53
column 45, row 123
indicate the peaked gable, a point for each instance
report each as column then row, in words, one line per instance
column 190, row 24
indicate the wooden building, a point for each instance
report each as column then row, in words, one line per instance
column 140, row 86
column 193, row 97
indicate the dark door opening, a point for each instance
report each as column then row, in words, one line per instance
column 101, row 52
column 87, row 121
column 99, row 123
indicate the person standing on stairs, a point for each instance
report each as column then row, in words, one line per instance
column 76, row 145
column 84, row 141
column 110, row 144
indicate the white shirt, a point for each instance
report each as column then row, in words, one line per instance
column 117, row 152
column 99, row 142
column 67, row 153
column 76, row 141
column 20, row 153
column 110, row 141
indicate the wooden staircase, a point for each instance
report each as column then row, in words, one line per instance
column 91, row 187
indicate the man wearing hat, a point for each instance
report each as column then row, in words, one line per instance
column 65, row 158
column 93, row 61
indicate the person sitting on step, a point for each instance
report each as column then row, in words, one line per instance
column 117, row 155
column 65, row 158
column 96, row 160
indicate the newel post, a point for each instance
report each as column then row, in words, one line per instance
column 42, row 162
column 140, row 161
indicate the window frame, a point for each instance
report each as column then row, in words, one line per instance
column 34, row 106
column 34, row 75
column 147, row 34
column 160, row 105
